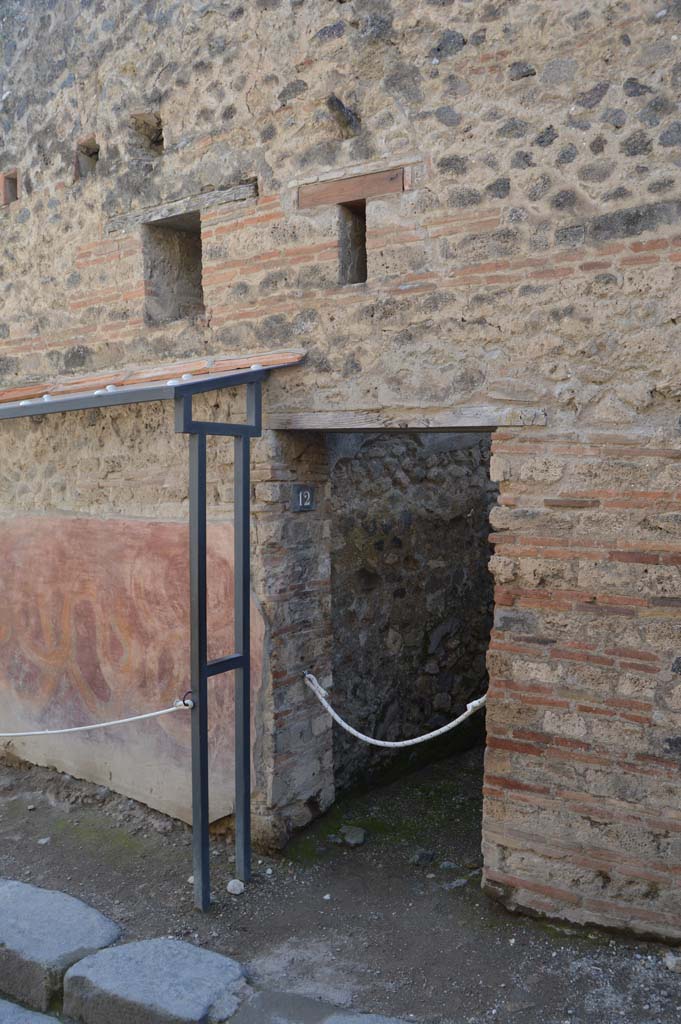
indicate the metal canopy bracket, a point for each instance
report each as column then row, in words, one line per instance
column 240, row 662
column 133, row 394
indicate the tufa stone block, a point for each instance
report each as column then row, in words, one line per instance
column 10, row 1013
column 41, row 934
column 158, row 981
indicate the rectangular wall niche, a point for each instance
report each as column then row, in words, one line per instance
column 10, row 187
column 87, row 157
column 147, row 133
column 352, row 242
column 173, row 268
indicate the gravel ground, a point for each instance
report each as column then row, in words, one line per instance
column 396, row 925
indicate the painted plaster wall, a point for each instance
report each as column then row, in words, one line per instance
column 94, row 617
column 94, row 626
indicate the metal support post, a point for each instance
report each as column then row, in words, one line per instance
column 199, row 676
column 240, row 661
column 242, row 642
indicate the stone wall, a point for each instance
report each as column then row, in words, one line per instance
column 518, row 166
column 292, row 578
column 527, row 261
column 410, row 590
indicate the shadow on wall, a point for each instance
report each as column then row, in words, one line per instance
column 412, row 596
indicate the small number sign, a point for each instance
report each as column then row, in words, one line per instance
column 304, row 498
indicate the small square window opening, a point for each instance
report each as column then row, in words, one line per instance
column 87, row 155
column 173, row 268
column 148, row 133
column 10, row 187
column 352, row 242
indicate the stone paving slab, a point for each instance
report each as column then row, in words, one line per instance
column 42, row 933
column 10, row 1013
column 157, row 981
column 279, row 1008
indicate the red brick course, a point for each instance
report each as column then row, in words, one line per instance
column 580, row 734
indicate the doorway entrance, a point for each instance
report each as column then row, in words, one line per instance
column 411, row 595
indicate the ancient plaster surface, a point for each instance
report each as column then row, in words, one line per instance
column 96, row 629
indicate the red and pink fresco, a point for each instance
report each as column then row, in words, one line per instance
column 94, row 625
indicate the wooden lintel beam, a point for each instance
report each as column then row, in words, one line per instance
column 465, row 420
column 189, row 204
column 346, row 190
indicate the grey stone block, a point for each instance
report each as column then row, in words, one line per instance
column 10, row 1013
column 41, row 934
column 280, row 1008
column 158, row 981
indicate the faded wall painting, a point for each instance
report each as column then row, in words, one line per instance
column 94, row 626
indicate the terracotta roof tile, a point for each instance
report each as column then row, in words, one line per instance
column 195, row 366
column 75, row 386
column 19, row 394
column 149, row 374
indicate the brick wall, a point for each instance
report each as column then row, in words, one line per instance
column 581, row 777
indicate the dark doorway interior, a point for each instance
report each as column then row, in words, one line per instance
column 412, row 596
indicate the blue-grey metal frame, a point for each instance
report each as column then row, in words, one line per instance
column 239, row 663
column 182, row 392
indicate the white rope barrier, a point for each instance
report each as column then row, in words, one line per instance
column 321, row 695
column 314, row 685
column 178, row 705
